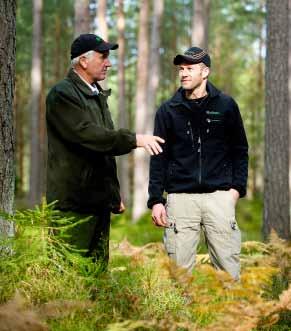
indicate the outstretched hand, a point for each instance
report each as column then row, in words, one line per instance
column 150, row 143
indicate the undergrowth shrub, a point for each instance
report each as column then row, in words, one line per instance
column 142, row 289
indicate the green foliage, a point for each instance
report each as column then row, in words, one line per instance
column 141, row 290
column 139, row 233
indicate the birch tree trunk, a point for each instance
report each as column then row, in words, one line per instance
column 82, row 17
column 141, row 160
column 154, row 64
column 276, row 177
column 7, row 140
column 200, row 23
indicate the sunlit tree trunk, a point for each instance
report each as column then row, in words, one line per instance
column 276, row 195
column 141, row 160
column 102, row 27
column 7, row 80
column 154, row 64
column 123, row 161
column 200, row 23
column 36, row 157
column 82, row 17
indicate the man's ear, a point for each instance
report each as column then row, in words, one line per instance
column 205, row 72
column 83, row 62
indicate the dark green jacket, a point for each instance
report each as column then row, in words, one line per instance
column 82, row 143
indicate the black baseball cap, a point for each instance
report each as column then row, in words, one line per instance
column 193, row 55
column 90, row 42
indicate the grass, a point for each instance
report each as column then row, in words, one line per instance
column 142, row 289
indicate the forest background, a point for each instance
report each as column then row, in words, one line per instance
column 250, row 46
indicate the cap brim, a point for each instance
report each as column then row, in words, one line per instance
column 104, row 46
column 178, row 59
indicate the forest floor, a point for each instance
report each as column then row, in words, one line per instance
column 45, row 285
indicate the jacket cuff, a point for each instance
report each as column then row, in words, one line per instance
column 241, row 190
column 155, row 201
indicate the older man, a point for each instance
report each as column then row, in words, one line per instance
column 82, row 143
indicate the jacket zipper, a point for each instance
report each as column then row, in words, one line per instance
column 191, row 132
column 199, row 150
column 200, row 158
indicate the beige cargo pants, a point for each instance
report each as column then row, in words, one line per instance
column 213, row 213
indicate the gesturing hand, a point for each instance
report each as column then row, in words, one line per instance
column 150, row 143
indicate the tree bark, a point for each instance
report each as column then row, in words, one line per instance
column 141, row 160
column 200, row 23
column 37, row 120
column 123, row 161
column 154, row 64
column 82, row 17
column 102, row 28
column 7, row 140
column 276, row 177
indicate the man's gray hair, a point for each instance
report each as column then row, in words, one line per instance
column 76, row 60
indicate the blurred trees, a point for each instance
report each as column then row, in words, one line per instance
column 236, row 42
column 7, row 142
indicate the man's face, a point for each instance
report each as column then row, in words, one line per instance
column 96, row 66
column 192, row 75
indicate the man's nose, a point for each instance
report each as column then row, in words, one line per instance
column 108, row 63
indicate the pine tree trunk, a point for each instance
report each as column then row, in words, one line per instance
column 102, row 28
column 82, row 17
column 200, row 23
column 123, row 161
column 141, row 159
column 276, row 195
column 7, row 141
column 289, row 74
column 154, row 64
column 36, row 159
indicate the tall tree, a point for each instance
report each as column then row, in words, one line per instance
column 102, row 27
column 154, row 64
column 141, row 160
column 276, row 195
column 37, row 110
column 7, row 74
column 82, row 17
column 123, row 161
column 200, row 23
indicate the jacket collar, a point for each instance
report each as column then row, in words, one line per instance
column 179, row 98
column 82, row 86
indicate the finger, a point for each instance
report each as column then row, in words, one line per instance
column 148, row 149
column 164, row 218
column 159, row 139
column 154, row 149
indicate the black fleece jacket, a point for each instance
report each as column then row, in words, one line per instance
column 206, row 147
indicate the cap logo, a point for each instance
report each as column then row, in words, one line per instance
column 98, row 39
column 196, row 56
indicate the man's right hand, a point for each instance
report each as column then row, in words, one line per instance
column 150, row 143
column 159, row 215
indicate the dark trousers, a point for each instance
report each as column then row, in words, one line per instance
column 91, row 236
